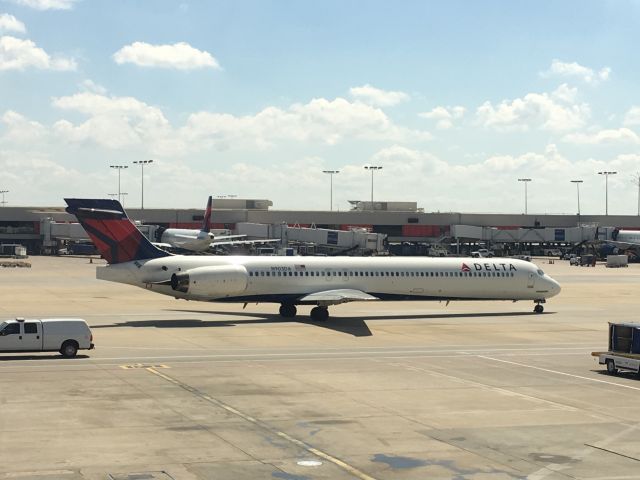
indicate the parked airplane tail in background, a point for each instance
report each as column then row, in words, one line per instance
column 206, row 222
column 114, row 235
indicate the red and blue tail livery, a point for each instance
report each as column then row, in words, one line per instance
column 114, row 235
column 206, row 221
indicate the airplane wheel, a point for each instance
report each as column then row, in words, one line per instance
column 538, row 308
column 319, row 314
column 288, row 310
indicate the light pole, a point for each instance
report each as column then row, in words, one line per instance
column 606, row 189
column 578, row 182
column 636, row 180
column 331, row 173
column 525, row 180
column 119, row 195
column 373, row 168
column 119, row 168
column 142, row 163
column 3, row 192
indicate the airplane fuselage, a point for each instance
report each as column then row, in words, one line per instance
column 187, row 239
column 287, row 279
column 629, row 236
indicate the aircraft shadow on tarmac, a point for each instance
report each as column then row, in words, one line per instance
column 355, row 326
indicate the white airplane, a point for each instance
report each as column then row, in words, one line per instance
column 626, row 238
column 201, row 240
column 291, row 281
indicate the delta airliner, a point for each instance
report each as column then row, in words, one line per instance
column 291, row 281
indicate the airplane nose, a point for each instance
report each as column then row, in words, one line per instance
column 554, row 287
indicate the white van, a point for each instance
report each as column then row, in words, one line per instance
column 64, row 335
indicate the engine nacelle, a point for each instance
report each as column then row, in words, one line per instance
column 214, row 282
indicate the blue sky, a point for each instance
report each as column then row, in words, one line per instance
column 456, row 100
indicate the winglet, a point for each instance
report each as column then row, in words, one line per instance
column 114, row 235
column 206, row 222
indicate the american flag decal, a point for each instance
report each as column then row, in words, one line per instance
column 465, row 268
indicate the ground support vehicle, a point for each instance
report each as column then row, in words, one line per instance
column 64, row 335
column 624, row 348
column 617, row 261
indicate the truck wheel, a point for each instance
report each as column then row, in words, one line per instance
column 69, row 349
column 611, row 367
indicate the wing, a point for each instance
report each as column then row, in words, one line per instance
column 162, row 245
column 244, row 242
column 227, row 237
column 335, row 297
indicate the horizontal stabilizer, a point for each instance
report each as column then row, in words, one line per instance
column 334, row 297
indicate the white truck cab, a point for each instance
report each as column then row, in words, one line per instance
column 64, row 335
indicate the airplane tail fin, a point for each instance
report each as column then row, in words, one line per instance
column 112, row 232
column 206, row 222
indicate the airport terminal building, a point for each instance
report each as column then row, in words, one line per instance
column 401, row 223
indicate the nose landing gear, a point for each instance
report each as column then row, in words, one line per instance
column 539, row 308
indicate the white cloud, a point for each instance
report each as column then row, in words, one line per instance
column 18, row 54
column 9, row 23
column 115, row 122
column 555, row 112
column 377, row 97
column 574, row 69
column 633, row 116
column 21, row 130
column 181, row 56
column 125, row 122
column 444, row 116
column 610, row 136
column 91, row 86
column 326, row 121
column 47, row 4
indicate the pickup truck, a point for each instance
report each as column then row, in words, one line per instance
column 482, row 253
column 64, row 335
column 624, row 348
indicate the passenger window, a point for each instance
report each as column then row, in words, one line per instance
column 12, row 329
column 30, row 328
column 268, row 274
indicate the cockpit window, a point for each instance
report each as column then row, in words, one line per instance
column 540, row 272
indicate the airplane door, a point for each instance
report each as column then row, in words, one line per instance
column 531, row 281
column 11, row 338
column 32, row 338
column 345, row 276
column 328, row 275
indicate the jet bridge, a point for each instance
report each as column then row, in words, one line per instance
column 356, row 241
column 524, row 235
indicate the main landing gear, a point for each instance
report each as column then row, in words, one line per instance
column 318, row 314
column 538, row 308
column 288, row 310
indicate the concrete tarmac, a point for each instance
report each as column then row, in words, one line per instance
column 407, row 390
